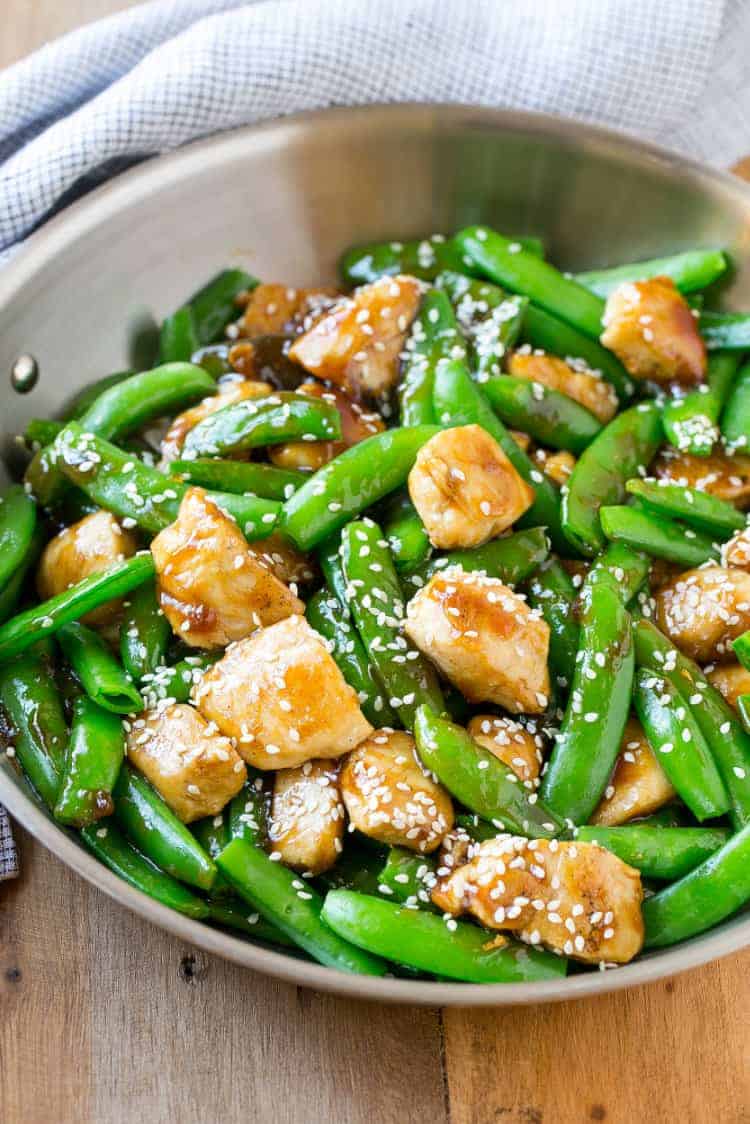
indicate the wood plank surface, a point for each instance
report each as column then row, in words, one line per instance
column 105, row 1019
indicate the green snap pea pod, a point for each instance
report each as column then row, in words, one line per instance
column 32, row 702
column 743, row 709
column 214, row 358
column 10, row 594
column 214, row 305
column 459, row 401
column 669, row 816
column 729, row 743
column 479, row 780
column 665, row 853
column 690, row 270
column 712, row 891
column 508, row 264
column 41, row 432
column 48, row 617
column 552, row 591
column 627, row 568
column 511, row 559
column 235, row 915
column 325, row 615
column 130, row 489
column 212, row 833
column 698, row 509
column 156, row 831
column 408, row 877
column 255, row 422
column 691, row 422
column 735, row 419
column 405, row 531
column 113, row 849
column 422, row 940
column 103, row 678
column 434, row 336
column 489, row 317
column 86, row 397
column 294, row 906
column 357, row 868
column 624, row 446
column 248, row 810
column 329, row 556
column 658, row 536
column 177, row 338
column 352, row 482
column 741, row 647
column 92, row 763
column 728, row 331
column 238, row 477
column 17, row 525
column 590, row 735
column 377, row 605
column 423, row 258
column 543, row 330
column 478, row 829
column 176, row 682
column 144, row 634
column 681, row 750
column 548, row 416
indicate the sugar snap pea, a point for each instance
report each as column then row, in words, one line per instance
column 214, row 305
column 405, row 531
column 86, row 397
column 656, row 535
column 103, row 678
column 38, row 734
column 729, row 331
column 735, row 419
column 234, row 914
column 248, row 811
column 548, row 416
column 664, row 853
column 238, row 477
column 177, row 338
column 552, row 592
column 434, row 336
column 512, row 559
column 690, row 270
column 423, row 258
column 10, row 594
column 92, row 763
column 407, row 877
column 691, row 422
column 17, row 525
column 489, row 317
column 144, row 633
column 699, row 509
column 283, row 416
column 176, row 682
column 627, row 568
column 543, row 330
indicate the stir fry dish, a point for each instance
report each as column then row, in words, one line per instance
column 404, row 625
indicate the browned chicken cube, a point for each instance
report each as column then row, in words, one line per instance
column 586, row 387
column 515, row 745
column 282, row 698
column 356, row 424
column 93, row 544
column 638, row 785
column 484, row 639
column 227, row 393
column 391, row 798
column 727, row 478
column 288, row 564
column 736, row 552
column 191, row 765
column 465, row 489
column 357, row 342
column 211, row 587
column 558, row 466
column 732, row 679
column 703, row 611
column 575, row 898
column 274, row 309
column 651, row 329
column 307, row 817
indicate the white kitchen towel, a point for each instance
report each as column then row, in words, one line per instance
column 87, row 106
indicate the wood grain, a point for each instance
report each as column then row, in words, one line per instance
column 104, row 1018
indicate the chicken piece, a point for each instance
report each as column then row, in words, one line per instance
column 211, row 587
column 703, row 611
column 93, row 544
column 638, row 785
column 465, row 489
column 732, row 679
column 581, row 384
column 191, row 765
column 307, row 817
column 277, row 309
column 652, row 331
column 356, row 425
column 576, row 898
column 282, row 698
column 457, row 848
column 736, row 552
column 515, row 745
column 243, row 359
column 357, row 342
column 558, row 466
column 483, row 638
column 288, row 564
column 719, row 475
column 390, row 797
column 227, row 394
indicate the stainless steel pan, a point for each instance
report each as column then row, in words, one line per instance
column 283, row 200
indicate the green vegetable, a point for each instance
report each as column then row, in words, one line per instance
column 725, row 330
column 407, row 537
column 656, row 535
column 433, row 337
column 423, row 258
column 10, row 594
column 255, row 422
column 664, row 853
column 103, row 679
column 547, row 332
column 214, row 305
column 248, row 811
column 177, row 338
column 86, row 397
column 17, row 526
column 408, row 877
column 551, row 590
column 490, row 319
column 145, row 633
column 690, row 270
column 32, row 702
column 176, row 682
column 239, row 477
column 691, row 422
column 92, row 763
column 41, row 431
column 625, row 568
column 698, row 509
column 234, row 915
column 548, row 416
column 735, row 420
column 511, row 559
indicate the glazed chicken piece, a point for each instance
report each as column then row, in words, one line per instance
column 584, row 386
column 719, row 475
column 651, row 329
column 703, row 611
column 732, row 679
column 211, row 586
column 356, row 424
column 191, row 765
column 227, row 393
column 306, row 827
column 513, row 744
column 285, row 562
column 575, row 898
column 465, row 489
column 483, row 638
column 93, row 544
column 558, row 466
column 736, row 552
column 357, row 342
column 278, row 309
column 638, row 785
column 282, row 698
column 391, row 798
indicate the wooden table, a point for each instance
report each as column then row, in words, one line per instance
column 104, row 1018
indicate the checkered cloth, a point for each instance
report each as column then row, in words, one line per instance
column 87, row 106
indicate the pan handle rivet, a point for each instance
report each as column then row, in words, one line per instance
column 24, row 374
